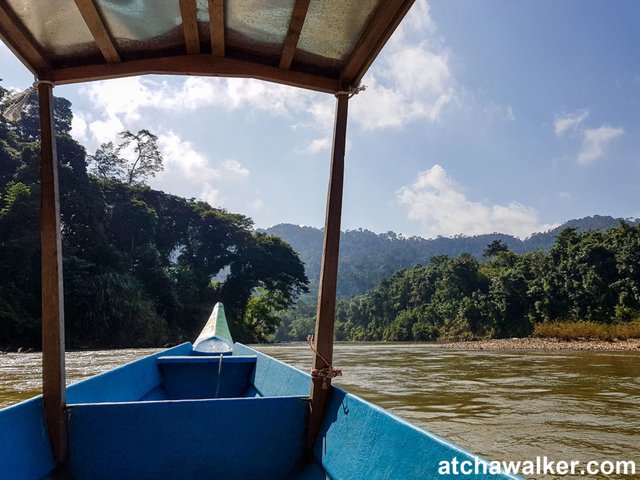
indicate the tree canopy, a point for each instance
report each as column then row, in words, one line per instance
column 590, row 276
column 135, row 159
column 141, row 267
column 366, row 258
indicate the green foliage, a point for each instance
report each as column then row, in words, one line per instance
column 589, row 277
column 494, row 248
column 298, row 322
column 138, row 263
column 134, row 160
column 261, row 316
column 367, row 258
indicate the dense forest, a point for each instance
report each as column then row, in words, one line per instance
column 589, row 276
column 141, row 267
column 366, row 258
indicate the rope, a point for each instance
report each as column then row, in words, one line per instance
column 13, row 105
column 352, row 91
column 219, row 375
column 326, row 373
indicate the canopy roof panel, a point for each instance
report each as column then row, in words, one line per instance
column 324, row 45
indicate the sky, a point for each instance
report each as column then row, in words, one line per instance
column 478, row 117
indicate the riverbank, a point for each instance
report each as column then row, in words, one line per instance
column 543, row 344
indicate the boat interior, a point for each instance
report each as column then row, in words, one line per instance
column 179, row 414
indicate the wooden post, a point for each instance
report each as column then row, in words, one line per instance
column 329, row 271
column 53, row 369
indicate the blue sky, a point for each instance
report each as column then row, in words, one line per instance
column 478, row 117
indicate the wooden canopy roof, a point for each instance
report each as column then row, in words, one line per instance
column 323, row 45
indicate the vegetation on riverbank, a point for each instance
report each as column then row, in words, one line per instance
column 143, row 267
column 139, row 264
column 367, row 258
column 590, row 279
column 544, row 344
column 587, row 331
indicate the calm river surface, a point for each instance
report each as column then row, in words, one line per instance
column 509, row 405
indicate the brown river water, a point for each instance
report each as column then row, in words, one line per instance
column 508, row 405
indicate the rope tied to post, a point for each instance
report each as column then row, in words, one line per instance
column 14, row 104
column 326, row 373
column 352, row 91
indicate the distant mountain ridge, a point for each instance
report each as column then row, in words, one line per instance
column 366, row 257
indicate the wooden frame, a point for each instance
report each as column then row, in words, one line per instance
column 189, row 14
column 293, row 35
column 98, row 29
column 20, row 41
column 326, row 312
column 203, row 64
column 384, row 22
column 216, row 27
column 53, row 363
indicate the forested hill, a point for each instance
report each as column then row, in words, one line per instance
column 138, row 263
column 366, row 257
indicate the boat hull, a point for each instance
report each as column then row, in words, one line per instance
column 134, row 422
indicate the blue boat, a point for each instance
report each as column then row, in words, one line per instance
column 215, row 409
column 212, row 410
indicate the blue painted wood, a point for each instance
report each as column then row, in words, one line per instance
column 243, row 437
column 130, row 382
column 209, row 359
column 25, row 452
column 361, row 441
column 273, row 377
column 206, row 377
column 232, row 439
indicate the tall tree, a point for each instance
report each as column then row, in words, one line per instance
column 135, row 159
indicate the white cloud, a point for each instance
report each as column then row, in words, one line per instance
column 412, row 79
column 79, row 127
column 437, row 202
column 594, row 142
column 105, row 130
column 211, row 195
column 121, row 102
column 569, row 122
column 256, row 204
column 233, row 170
column 319, row 145
column 183, row 161
column 565, row 195
column 181, row 158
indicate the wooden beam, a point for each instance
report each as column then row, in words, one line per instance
column 206, row 65
column 189, row 14
column 216, row 26
column 329, row 271
column 16, row 36
column 53, row 368
column 382, row 25
column 98, row 29
column 293, row 35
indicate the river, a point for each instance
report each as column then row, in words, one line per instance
column 508, row 405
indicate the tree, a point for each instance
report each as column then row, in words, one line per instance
column 139, row 264
column 262, row 263
column 495, row 248
column 132, row 161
